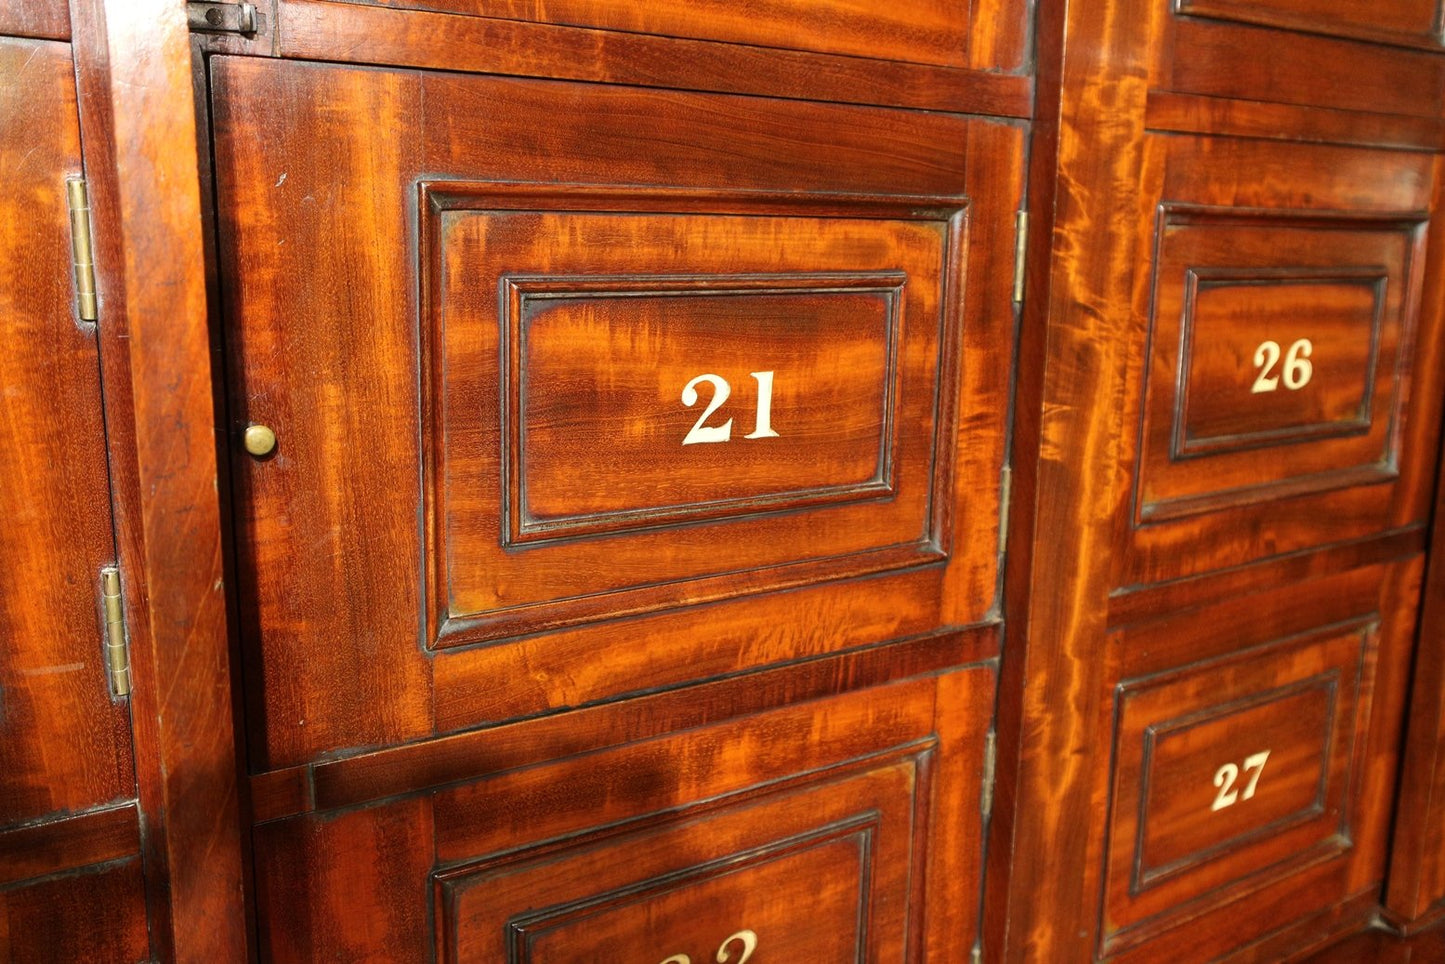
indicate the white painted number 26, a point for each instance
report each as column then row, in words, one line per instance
column 702, row 432
column 1298, row 370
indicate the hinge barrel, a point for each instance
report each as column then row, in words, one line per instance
column 117, row 653
column 82, row 249
column 1021, row 242
column 990, row 764
column 1005, row 506
column 222, row 17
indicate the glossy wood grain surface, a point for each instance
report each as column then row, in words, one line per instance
column 1317, row 666
column 1416, row 886
column 707, row 266
column 35, row 18
column 1233, row 435
column 98, row 914
column 908, row 30
column 1413, row 22
column 674, row 843
column 1083, row 197
column 990, row 80
column 64, row 745
column 138, row 123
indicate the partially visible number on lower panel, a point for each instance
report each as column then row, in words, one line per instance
column 747, row 939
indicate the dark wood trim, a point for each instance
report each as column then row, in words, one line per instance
column 40, row 19
column 429, row 764
column 1072, row 358
column 1415, row 886
column 1144, row 602
column 73, row 841
column 1196, row 114
column 133, row 64
column 311, row 30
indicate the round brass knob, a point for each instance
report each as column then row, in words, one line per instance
column 259, row 440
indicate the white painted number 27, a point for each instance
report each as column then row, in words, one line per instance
column 1226, row 776
column 702, row 432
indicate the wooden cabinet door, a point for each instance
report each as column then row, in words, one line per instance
column 586, row 439
column 70, row 869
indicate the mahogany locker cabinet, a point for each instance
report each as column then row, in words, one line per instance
column 828, row 480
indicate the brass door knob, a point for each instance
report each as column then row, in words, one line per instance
column 259, row 440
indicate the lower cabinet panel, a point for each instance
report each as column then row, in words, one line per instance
column 840, row 830
column 1253, row 744
column 96, row 914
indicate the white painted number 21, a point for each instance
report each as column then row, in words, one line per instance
column 1226, row 776
column 702, row 432
column 1298, row 370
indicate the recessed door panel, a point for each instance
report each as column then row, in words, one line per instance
column 539, row 356
column 837, row 830
column 1277, row 386
column 731, row 401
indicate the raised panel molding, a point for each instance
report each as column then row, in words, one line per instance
column 597, row 314
column 1413, row 23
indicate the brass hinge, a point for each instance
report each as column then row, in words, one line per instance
column 222, row 17
column 82, row 249
column 976, row 956
column 117, row 651
column 990, row 764
column 1021, row 241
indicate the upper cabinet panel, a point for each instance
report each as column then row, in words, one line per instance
column 1414, row 22
column 737, row 398
column 539, row 355
column 1280, row 398
column 917, row 31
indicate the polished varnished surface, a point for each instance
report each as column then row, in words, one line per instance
column 927, row 31
column 804, row 826
column 64, row 744
column 549, row 652
column 476, row 426
column 1253, row 415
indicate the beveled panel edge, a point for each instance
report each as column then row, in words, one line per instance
column 778, row 38
column 317, row 30
column 1142, row 878
column 520, row 928
column 519, row 530
column 1171, row 213
column 449, row 759
column 1233, row 12
column 1172, row 112
column 68, row 842
column 441, row 196
column 1182, row 448
column 1142, row 603
column 1141, row 931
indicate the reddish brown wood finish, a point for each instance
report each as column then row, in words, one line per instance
column 817, row 827
column 64, row 745
column 97, row 914
column 1225, row 474
column 49, row 19
column 1314, row 671
column 315, row 530
column 909, row 30
column 1412, row 22
column 319, row 29
column 1416, row 886
column 66, row 843
column 138, row 124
